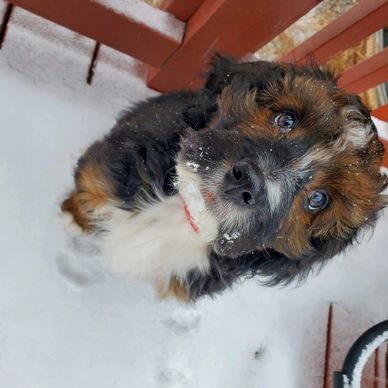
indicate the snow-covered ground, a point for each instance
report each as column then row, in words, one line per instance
column 66, row 322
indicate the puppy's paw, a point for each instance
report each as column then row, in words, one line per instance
column 71, row 227
column 75, row 217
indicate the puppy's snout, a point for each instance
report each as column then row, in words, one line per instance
column 244, row 185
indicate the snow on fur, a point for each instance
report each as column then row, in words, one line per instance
column 144, row 13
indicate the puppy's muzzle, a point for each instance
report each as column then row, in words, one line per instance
column 244, row 185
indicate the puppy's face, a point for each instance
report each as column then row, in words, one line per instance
column 290, row 165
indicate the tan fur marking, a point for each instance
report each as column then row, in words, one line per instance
column 93, row 187
column 93, row 190
column 231, row 105
column 71, row 205
column 175, row 289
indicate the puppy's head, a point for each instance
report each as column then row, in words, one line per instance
column 284, row 162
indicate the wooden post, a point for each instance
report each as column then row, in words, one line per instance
column 235, row 27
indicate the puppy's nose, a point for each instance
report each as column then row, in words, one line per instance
column 244, row 185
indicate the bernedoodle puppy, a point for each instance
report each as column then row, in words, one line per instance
column 271, row 169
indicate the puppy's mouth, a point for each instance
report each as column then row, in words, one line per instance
column 215, row 197
column 232, row 229
column 202, row 206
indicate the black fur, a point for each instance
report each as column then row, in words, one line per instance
column 138, row 155
column 273, row 267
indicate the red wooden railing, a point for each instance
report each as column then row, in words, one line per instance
column 235, row 27
column 371, row 72
column 107, row 26
column 381, row 113
column 360, row 21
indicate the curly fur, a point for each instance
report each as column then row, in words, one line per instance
column 180, row 142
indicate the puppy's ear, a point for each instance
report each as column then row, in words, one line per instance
column 358, row 127
column 221, row 72
column 225, row 70
column 242, row 77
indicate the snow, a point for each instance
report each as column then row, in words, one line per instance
column 52, row 55
column 382, row 127
column 194, row 165
column 231, row 237
column 68, row 322
column 144, row 13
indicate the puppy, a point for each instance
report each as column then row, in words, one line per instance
column 271, row 169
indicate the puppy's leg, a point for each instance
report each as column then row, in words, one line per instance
column 93, row 190
column 175, row 289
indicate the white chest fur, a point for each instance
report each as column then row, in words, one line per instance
column 156, row 243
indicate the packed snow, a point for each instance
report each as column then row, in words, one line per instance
column 67, row 322
column 144, row 13
column 194, row 165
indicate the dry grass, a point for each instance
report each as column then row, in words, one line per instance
column 314, row 21
column 155, row 3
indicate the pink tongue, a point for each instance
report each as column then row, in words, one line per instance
column 190, row 219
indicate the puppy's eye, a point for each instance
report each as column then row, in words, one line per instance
column 317, row 200
column 285, row 121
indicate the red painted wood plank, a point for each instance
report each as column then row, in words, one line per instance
column 385, row 160
column 347, row 30
column 363, row 76
column 381, row 113
column 93, row 19
column 181, row 9
column 236, row 27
